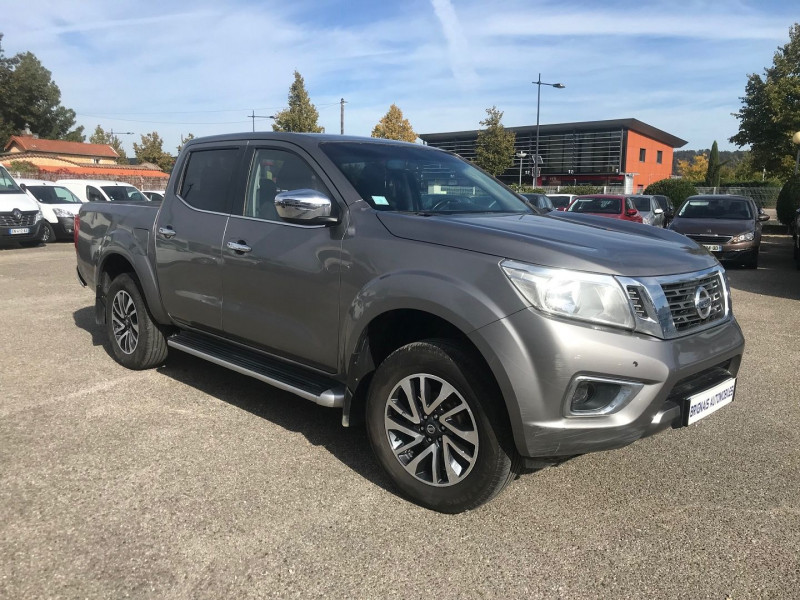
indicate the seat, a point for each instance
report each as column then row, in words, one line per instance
column 266, row 200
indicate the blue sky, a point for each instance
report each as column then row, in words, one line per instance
column 202, row 66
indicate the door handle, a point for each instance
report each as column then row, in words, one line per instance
column 167, row 232
column 239, row 246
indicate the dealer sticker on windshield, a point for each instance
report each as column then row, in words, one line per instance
column 703, row 404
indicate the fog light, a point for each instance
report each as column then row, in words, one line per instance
column 589, row 396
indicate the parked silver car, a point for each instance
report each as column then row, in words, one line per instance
column 650, row 209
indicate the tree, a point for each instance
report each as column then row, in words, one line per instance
column 677, row 190
column 714, row 167
column 394, row 127
column 695, row 169
column 301, row 116
column 494, row 148
column 30, row 97
column 770, row 111
column 189, row 136
column 100, row 136
column 151, row 151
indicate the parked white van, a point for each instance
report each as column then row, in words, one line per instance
column 20, row 217
column 99, row 190
column 58, row 205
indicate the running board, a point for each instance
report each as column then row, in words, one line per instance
column 317, row 388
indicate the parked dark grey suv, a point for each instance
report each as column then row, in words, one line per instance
column 407, row 288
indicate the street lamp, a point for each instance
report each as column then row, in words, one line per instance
column 520, row 155
column 796, row 140
column 539, row 83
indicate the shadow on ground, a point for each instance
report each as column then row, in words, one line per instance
column 776, row 274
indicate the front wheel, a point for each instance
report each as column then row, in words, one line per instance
column 136, row 340
column 48, row 233
column 437, row 427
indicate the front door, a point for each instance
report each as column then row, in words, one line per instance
column 282, row 291
column 189, row 236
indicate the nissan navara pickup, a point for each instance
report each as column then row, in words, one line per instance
column 473, row 336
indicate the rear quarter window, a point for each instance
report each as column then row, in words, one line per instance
column 208, row 178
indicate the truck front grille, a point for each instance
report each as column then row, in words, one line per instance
column 682, row 304
column 27, row 219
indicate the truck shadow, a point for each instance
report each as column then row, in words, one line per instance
column 320, row 426
column 776, row 275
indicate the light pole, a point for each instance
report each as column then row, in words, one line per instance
column 539, row 83
column 520, row 155
column 796, row 140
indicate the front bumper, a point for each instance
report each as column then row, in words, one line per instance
column 64, row 228
column 33, row 234
column 536, row 359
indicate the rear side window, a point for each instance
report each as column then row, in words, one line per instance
column 207, row 179
column 94, row 195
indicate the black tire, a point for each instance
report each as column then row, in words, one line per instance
column 473, row 410
column 137, row 342
column 48, row 235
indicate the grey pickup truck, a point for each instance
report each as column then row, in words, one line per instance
column 473, row 336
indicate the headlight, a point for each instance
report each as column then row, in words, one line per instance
column 744, row 237
column 60, row 212
column 38, row 217
column 572, row 294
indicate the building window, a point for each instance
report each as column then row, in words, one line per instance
column 640, row 188
column 659, row 156
column 642, row 154
column 96, row 161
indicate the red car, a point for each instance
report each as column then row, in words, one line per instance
column 607, row 205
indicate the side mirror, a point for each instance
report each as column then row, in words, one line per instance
column 658, row 211
column 631, row 212
column 305, row 207
column 763, row 217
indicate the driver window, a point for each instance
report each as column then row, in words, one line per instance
column 273, row 171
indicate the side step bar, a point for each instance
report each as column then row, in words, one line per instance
column 317, row 388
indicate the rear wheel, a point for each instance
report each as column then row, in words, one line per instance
column 136, row 340
column 436, row 428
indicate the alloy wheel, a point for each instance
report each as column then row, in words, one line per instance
column 125, row 322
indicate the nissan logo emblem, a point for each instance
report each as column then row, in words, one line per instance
column 17, row 214
column 702, row 302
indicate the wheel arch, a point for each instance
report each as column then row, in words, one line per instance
column 116, row 261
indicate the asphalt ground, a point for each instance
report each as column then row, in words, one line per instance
column 190, row 481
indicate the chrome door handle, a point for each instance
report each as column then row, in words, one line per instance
column 167, row 232
column 239, row 247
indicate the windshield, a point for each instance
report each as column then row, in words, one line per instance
column 560, row 201
column 642, row 204
column 52, row 194
column 124, row 193
column 419, row 179
column 717, row 208
column 7, row 184
column 611, row 206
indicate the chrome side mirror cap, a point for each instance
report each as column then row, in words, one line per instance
column 305, row 207
column 763, row 217
column 658, row 211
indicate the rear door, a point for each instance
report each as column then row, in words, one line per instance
column 282, row 284
column 189, row 235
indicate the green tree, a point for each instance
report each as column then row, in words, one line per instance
column 301, row 116
column 29, row 96
column 100, row 136
column 189, row 136
column 770, row 111
column 151, row 151
column 494, row 148
column 677, row 190
column 788, row 200
column 394, row 127
column 714, row 167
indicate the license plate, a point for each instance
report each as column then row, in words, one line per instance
column 713, row 247
column 711, row 400
column 19, row 230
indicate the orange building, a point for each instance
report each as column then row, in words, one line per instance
column 57, row 159
column 620, row 152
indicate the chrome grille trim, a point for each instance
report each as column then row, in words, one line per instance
column 28, row 219
column 664, row 306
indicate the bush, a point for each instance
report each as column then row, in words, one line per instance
column 23, row 167
column 580, row 190
column 677, row 190
column 788, row 200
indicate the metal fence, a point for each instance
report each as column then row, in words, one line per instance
column 765, row 197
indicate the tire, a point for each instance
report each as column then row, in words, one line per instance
column 137, row 342
column 48, row 234
column 467, row 425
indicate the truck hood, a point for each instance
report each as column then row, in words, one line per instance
column 559, row 239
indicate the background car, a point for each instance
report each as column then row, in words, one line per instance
column 561, row 201
column 651, row 211
column 665, row 202
column 58, row 205
column 728, row 226
column 607, row 205
column 99, row 190
column 539, row 201
column 154, row 195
